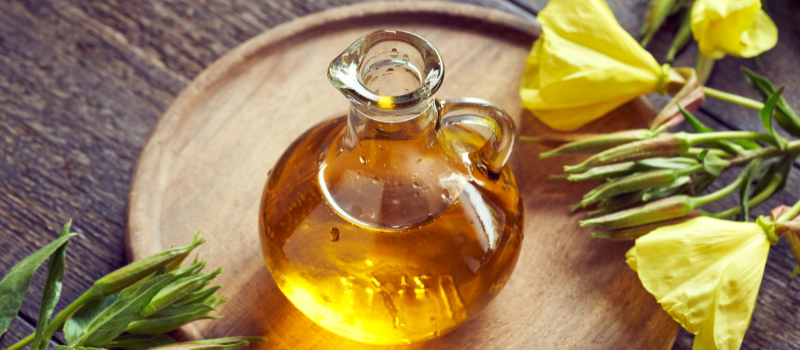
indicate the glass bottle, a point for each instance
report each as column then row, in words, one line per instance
column 397, row 222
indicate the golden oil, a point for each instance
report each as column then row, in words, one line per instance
column 359, row 273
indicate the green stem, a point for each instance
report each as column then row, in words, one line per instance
column 21, row 343
column 695, row 152
column 791, row 213
column 728, row 135
column 690, row 170
column 60, row 318
column 752, row 202
column 766, row 152
column 703, row 200
column 732, row 98
column 703, row 67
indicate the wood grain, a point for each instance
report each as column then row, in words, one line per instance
column 83, row 82
column 207, row 159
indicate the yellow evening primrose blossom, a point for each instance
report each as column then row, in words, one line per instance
column 584, row 65
column 705, row 273
column 734, row 27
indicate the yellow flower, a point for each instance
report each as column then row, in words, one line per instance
column 734, row 27
column 584, row 65
column 705, row 273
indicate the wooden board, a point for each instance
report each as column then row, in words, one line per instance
column 207, row 161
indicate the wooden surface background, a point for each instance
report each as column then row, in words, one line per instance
column 82, row 83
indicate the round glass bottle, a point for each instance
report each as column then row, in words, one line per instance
column 397, row 222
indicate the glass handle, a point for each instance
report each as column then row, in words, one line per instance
column 493, row 155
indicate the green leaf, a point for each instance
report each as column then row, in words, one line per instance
column 784, row 169
column 169, row 319
column 744, row 192
column 657, row 12
column 764, row 88
column 668, row 163
column 665, row 191
column 51, row 292
column 714, row 165
column 765, row 175
column 682, row 37
column 16, row 282
column 77, row 323
column 766, row 118
column 111, row 322
column 696, row 124
column 140, row 342
column 702, row 182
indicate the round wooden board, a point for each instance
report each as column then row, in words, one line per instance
column 207, row 160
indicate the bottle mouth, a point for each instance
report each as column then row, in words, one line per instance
column 388, row 70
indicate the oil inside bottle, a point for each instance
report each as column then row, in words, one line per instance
column 359, row 277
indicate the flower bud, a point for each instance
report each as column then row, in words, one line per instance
column 176, row 291
column 599, row 143
column 606, row 171
column 170, row 318
column 661, row 146
column 215, row 344
column 617, row 203
column 133, row 272
column 664, row 209
column 631, row 233
column 190, row 270
column 641, row 181
column 198, row 296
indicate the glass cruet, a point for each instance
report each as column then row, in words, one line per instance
column 399, row 221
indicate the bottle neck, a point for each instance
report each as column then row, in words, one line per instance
column 415, row 126
column 388, row 172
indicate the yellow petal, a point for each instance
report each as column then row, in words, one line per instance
column 760, row 37
column 705, row 273
column 630, row 259
column 734, row 27
column 583, row 65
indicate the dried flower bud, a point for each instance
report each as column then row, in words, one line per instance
column 690, row 97
column 130, row 274
column 664, row 209
column 661, row 146
column 601, row 142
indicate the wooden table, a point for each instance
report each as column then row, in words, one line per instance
column 82, row 83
